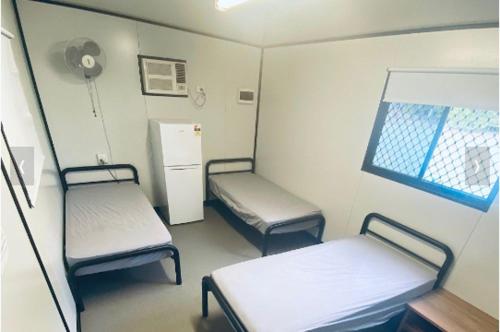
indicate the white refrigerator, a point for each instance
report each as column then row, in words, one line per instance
column 178, row 170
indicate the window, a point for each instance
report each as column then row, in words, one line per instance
column 450, row 151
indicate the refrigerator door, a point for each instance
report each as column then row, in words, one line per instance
column 181, row 144
column 184, row 194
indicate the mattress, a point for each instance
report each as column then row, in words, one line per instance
column 341, row 285
column 260, row 202
column 111, row 218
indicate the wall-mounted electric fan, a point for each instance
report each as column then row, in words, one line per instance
column 84, row 57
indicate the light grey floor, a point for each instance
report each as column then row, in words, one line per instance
column 147, row 299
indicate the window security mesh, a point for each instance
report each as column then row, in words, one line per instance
column 452, row 149
column 466, row 157
column 406, row 137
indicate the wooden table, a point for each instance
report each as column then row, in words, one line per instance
column 443, row 311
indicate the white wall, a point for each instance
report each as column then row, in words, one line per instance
column 220, row 67
column 45, row 221
column 319, row 103
column 24, row 290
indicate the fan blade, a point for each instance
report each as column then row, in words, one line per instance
column 72, row 56
column 90, row 47
column 94, row 71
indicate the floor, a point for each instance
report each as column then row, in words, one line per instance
column 147, row 299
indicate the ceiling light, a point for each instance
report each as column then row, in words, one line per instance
column 224, row 5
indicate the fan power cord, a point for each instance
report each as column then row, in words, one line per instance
column 105, row 130
column 91, row 95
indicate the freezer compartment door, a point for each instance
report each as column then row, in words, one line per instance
column 184, row 194
column 181, row 144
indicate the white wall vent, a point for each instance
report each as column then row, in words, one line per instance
column 163, row 76
column 246, row 96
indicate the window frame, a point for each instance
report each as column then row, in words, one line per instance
column 458, row 196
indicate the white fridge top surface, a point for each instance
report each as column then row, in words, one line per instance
column 173, row 121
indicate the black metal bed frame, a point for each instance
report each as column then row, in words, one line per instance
column 71, row 271
column 266, row 237
column 209, row 285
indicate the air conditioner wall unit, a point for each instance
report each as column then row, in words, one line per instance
column 163, row 76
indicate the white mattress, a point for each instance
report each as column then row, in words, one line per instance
column 341, row 285
column 106, row 219
column 260, row 202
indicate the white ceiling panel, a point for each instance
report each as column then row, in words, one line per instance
column 270, row 22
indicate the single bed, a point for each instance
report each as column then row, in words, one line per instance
column 343, row 285
column 111, row 225
column 260, row 203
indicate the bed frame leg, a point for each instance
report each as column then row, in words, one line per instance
column 79, row 303
column 205, row 288
column 78, row 322
column 321, row 229
column 73, row 284
column 265, row 244
column 177, row 261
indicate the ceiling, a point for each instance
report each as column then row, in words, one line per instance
column 271, row 22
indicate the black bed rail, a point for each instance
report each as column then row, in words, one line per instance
column 225, row 161
column 306, row 219
column 442, row 270
column 208, row 285
column 93, row 168
column 72, row 277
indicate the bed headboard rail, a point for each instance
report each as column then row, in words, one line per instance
column 97, row 168
column 230, row 161
column 442, row 268
column 212, row 162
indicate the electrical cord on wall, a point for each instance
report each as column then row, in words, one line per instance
column 89, row 88
column 202, row 95
column 105, row 130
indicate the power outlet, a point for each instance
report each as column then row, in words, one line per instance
column 102, row 159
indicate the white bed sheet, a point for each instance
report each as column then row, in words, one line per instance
column 260, row 202
column 341, row 285
column 111, row 218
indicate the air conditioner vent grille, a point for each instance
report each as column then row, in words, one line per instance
column 160, row 84
column 155, row 68
column 180, row 70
